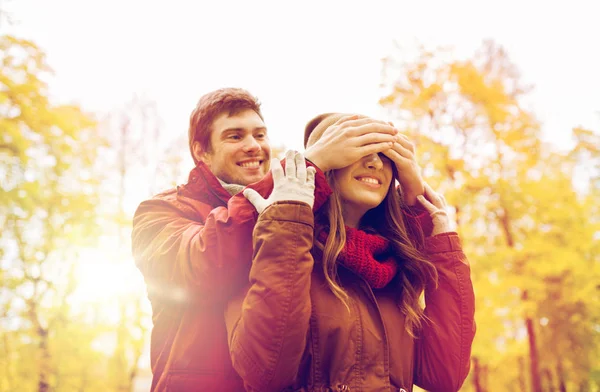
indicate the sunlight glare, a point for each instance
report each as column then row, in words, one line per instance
column 100, row 279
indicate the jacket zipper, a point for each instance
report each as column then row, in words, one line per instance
column 373, row 299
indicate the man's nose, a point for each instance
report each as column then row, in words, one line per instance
column 251, row 144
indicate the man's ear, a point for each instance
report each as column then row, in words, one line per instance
column 199, row 154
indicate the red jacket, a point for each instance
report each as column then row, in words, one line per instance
column 193, row 245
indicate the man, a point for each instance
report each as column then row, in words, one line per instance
column 193, row 244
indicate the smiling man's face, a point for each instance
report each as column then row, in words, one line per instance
column 240, row 151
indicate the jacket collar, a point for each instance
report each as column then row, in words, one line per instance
column 204, row 186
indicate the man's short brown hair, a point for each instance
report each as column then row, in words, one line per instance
column 210, row 106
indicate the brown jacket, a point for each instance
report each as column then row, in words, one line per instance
column 289, row 332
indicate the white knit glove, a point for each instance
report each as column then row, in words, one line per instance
column 436, row 205
column 297, row 184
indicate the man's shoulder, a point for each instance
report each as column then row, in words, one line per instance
column 175, row 202
column 166, row 196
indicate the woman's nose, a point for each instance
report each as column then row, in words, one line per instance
column 373, row 161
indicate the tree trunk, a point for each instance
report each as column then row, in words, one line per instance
column 44, row 357
column 477, row 375
column 549, row 384
column 44, row 372
column 485, row 377
column 536, row 385
column 522, row 382
column 562, row 387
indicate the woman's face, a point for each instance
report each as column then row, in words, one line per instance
column 363, row 185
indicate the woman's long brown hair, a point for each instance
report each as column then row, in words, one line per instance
column 415, row 272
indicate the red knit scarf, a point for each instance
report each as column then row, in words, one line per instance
column 367, row 255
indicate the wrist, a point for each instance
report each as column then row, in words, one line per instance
column 410, row 199
column 315, row 158
column 411, row 192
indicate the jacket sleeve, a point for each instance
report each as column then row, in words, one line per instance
column 443, row 348
column 183, row 259
column 418, row 224
column 267, row 325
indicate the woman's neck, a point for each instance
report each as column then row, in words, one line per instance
column 352, row 217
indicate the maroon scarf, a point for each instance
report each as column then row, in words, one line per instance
column 368, row 255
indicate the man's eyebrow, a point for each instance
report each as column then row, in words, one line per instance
column 240, row 129
column 233, row 130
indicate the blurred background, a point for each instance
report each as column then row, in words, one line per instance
column 501, row 98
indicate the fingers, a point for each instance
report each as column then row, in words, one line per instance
column 251, row 195
column 300, row 167
column 364, row 126
column 407, row 154
column 441, row 222
column 391, row 154
column 310, row 175
column 354, row 124
column 434, row 197
column 290, row 164
column 255, row 199
column 425, row 203
column 347, row 118
column 374, row 137
column 367, row 130
column 429, row 193
column 277, row 171
column 403, row 165
column 295, row 167
column 397, row 158
column 404, row 142
column 442, row 201
column 375, row 148
column 345, row 121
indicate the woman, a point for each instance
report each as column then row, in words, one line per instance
column 334, row 299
